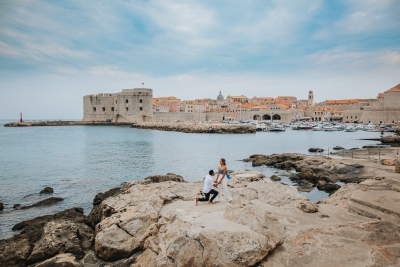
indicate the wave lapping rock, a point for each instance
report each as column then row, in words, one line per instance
column 197, row 128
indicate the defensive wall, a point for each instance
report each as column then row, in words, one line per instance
column 381, row 115
column 284, row 116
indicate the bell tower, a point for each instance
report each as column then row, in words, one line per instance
column 310, row 98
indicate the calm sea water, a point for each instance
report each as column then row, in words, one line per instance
column 80, row 161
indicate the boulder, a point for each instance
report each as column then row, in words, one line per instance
column 338, row 148
column 388, row 162
column 328, row 187
column 61, row 260
column 14, row 251
column 122, row 233
column 45, row 202
column 62, row 236
column 275, row 178
column 1, row 206
column 17, row 206
column 73, row 214
column 307, row 206
column 47, row 190
column 40, row 241
column 397, row 166
column 163, row 178
column 101, row 196
column 316, row 150
column 307, row 174
column 390, row 139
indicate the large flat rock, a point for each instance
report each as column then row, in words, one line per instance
column 387, row 201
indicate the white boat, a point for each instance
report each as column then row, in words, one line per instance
column 317, row 128
column 261, row 127
column 370, row 128
column 350, row 129
column 330, row 128
column 276, row 128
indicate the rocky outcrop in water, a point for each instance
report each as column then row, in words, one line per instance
column 391, row 139
column 1, row 206
column 197, row 128
column 315, row 150
column 44, row 202
column 311, row 171
column 47, row 190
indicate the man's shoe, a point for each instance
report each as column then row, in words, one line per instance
column 197, row 200
column 211, row 202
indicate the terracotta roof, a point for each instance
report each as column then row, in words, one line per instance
column 261, row 107
column 327, row 109
column 380, row 95
column 248, row 105
column 285, row 102
column 283, row 106
column 344, row 101
column 394, row 89
column 286, row 96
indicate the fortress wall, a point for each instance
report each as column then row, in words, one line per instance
column 352, row 115
column 286, row 116
column 130, row 105
column 381, row 115
column 391, row 99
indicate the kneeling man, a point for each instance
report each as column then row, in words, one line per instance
column 208, row 189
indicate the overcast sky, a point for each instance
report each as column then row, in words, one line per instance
column 52, row 53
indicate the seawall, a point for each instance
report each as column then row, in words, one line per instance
column 197, row 128
column 62, row 123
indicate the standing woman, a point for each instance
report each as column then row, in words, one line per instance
column 223, row 182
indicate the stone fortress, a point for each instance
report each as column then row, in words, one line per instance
column 138, row 105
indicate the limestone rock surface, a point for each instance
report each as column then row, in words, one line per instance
column 61, row 260
column 307, row 206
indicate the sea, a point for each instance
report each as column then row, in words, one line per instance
column 80, row 161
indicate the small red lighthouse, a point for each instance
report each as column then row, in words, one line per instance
column 20, row 117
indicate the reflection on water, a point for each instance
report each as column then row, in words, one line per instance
column 80, row 161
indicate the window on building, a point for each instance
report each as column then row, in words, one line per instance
column 94, row 109
column 116, row 101
column 126, row 101
column 140, row 101
column 141, row 108
column 356, row 117
column 112, row 108
column 104, row 109
column 127, row 109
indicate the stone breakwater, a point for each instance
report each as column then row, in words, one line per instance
column 197, row 128
column 154, row 222
column 62, row 123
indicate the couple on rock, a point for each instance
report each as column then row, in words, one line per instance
column 221, row 184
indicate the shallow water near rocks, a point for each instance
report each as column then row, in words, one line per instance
column 80, row 161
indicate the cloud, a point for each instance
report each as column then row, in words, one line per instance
column 193, row 49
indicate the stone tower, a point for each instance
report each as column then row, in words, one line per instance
column 310, row 98
column 130, row 105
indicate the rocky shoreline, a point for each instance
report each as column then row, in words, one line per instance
column 197, row 128
column 154, row 222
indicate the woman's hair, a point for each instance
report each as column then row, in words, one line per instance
column 223, row 161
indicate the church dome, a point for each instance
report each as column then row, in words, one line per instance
column 220, row 96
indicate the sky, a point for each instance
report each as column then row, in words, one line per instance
column 52, row 53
